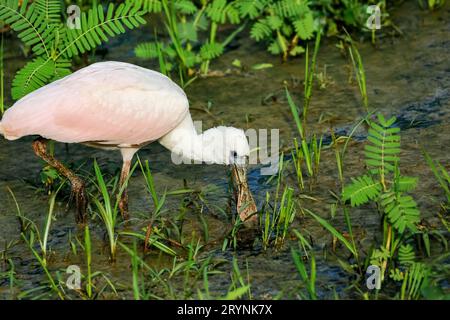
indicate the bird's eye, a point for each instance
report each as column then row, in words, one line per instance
column 234, row 154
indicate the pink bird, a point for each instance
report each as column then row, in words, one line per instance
column 120, row 106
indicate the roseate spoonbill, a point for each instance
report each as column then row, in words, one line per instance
column 116, row 105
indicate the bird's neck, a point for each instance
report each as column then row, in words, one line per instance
column 185, row 143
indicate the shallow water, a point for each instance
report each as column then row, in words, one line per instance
column 407, row 76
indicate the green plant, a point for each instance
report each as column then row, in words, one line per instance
column 307, row 153
column 360, row 73
column 54, row 43
column 42, row 236
column 310, row 71
column 386, row 186
column 54, row 286
column 349, row 245
column 107, row 208
column 186, row 50
column 280, row 24
column 442, row 176
column 431, row 4
column 88, row 251
column 277, row 217
column 310, row 280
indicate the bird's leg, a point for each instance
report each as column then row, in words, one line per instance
column 127, row 155
column 78, row 186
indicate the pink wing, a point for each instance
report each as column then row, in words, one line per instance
column 109, row 102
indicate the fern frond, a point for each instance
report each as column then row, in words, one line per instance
column 185, row 6
column 260, row 30
column 406, row 254
column 209, row 51
column 150, row 6
column 28, row 22
column 146, row 50
column 50, row 9
column 32, row 76
column 96, row 27
column 416, row 277
column 361, row 190
column 274, row 22
column 219, row 11
column 405, row 183
column 401, row 210
column 250, row 8
column 304, row 26
column 289, row 8
column 382, row 153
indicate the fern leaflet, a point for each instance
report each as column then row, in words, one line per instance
column 401, row 210
column 361, row 190
column 382, row 153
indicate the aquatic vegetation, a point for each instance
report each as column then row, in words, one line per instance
column 431, row 4
column 183, row 243
column 281, row 24
column 307, row 154
column 442, row 176
column 310, row 71
column 54, row 44
column 184, row 23
column 360, row 74
column 401, row 216
column 278, row 214
column 107, row 209
column 310, row 280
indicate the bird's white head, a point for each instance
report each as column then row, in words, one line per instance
column 225, row 145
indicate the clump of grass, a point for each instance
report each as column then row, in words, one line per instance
column 53, row 283
column 306, row 154
column 107, row 210
column 308, row 279
column 239, row 287
column 309, row 77
column 360, row 73
column 35, row 233
column 442, row 176
column 275, row 222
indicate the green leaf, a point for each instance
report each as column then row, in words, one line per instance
column 401, row 210
column 185, row 6
column 384, row 145
column 304, row 26
column 32, row 76
column 250, row 8
column 146, row 50
column 260, row 30
column 30, row 24
column 405, row 183
column 209, row 51
column 95, row 27
column 333, row 231
column 361, row 190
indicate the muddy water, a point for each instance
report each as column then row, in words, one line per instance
column 407, row 76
